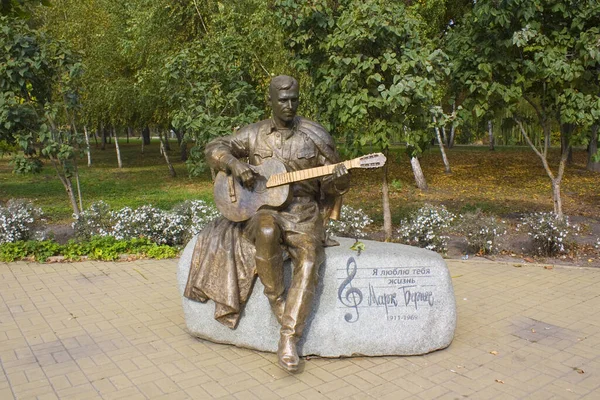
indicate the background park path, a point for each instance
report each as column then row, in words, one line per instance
column 115, row 330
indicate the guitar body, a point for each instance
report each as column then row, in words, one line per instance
column 238, row 203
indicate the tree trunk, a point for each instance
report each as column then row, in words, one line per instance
column 543, row 157
column 96, row 137
column 565, row 136
column 450, row 138
column 68, row 185
column 71, row 194
column 129, row 133
column 166, row 141
column 387, row 213
column 103, row 132
column 166, row 155
column 592, row 165
column 557, row 199
column 117, row 148
column 183, row 150
column 87, row 146
column 145, row 137
column 441, row 143
column 491, row 135
column 444, row 135
column 182, row 142
column 78, row 188
column 418, row 172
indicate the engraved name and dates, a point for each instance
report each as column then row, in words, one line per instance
column 399, row 292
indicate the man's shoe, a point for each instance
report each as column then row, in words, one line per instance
column 287, row 353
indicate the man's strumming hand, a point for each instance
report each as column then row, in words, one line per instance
column 243, row 171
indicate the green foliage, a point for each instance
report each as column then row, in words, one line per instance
column 209, row 93
column 373, row 72
column 218, row 84
column 38, row 100
column 38, row 250
column 543, row 51
column 396, row 184
column 10, row 252
column 26, row 165
column 6, row 147
column 161, row 252
column 199, row 67
column 104, row 248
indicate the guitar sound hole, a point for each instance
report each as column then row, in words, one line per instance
column 260, row 184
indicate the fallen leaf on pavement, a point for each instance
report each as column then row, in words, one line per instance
column 499, row 381
column 494, row 352
column 548, row 267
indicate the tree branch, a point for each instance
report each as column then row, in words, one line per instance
column 540, row 155
column 200, row 15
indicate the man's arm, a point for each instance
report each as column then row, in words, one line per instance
column 223, row 154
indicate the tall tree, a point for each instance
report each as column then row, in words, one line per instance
column 541, row 52
column 39, row 102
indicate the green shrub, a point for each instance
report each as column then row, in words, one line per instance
column 10, row 252
column 484, row 232
column 103, row 248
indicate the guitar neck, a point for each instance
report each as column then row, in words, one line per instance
column 305, row 174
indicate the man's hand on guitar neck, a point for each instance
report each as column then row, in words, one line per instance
column 339, row 179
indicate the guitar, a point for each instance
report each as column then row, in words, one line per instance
column 271, row 185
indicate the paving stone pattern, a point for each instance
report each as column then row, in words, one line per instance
column 98, row 330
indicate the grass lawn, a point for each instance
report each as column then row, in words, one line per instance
column 509, row 180
column 144, row 179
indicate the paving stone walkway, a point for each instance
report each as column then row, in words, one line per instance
column 96, row 330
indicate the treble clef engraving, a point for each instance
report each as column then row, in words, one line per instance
column 352, row 296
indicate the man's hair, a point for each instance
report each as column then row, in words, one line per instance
column 282, row 82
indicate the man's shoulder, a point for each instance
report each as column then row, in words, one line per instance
column 319, row 135
column 314, row 129
column 256, row 127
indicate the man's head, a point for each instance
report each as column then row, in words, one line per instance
column 284, row 97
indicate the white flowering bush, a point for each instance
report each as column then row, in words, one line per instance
column 484, row 233
column 18, row 220
column 173, row 227
column 97, row 220
column 197, row 214
column 550, row 235
column 351, row 223
column 597, row 245
column 427, row 228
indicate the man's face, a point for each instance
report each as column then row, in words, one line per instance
column 285, row 104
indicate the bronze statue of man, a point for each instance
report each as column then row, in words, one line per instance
column 296, row 227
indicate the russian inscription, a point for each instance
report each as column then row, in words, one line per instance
column 396, row 293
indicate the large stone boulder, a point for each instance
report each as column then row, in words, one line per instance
column 390, row 299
